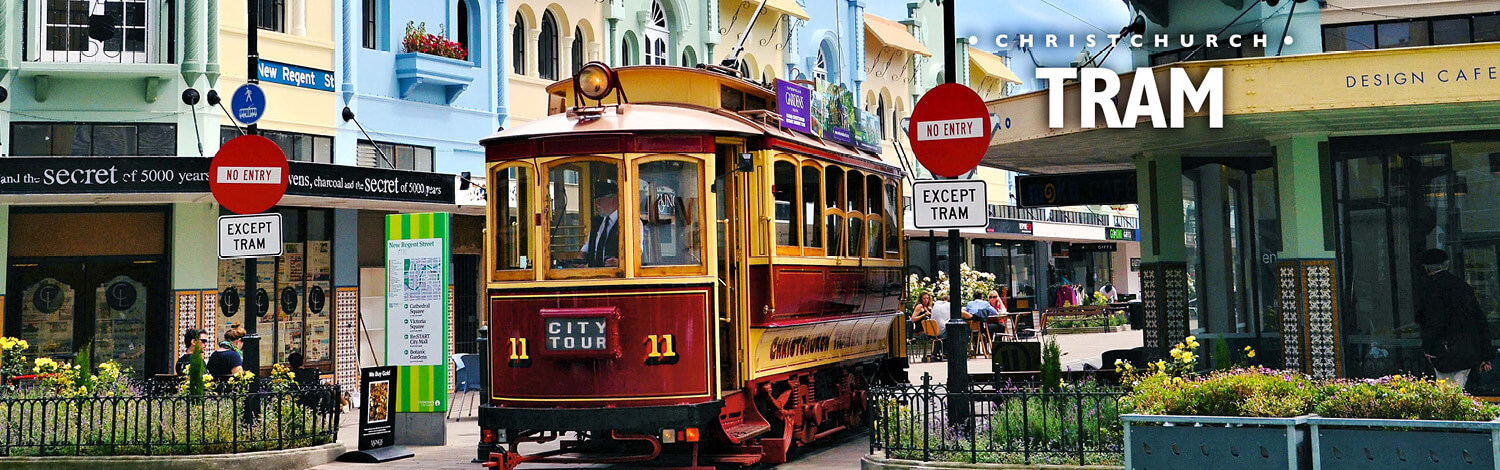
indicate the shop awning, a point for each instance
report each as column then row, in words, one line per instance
column 992, row 65
column 1343, row 93
column 789, row 7
column 894, row 34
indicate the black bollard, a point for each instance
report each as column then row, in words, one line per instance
column 958, row 367
column 482, row 340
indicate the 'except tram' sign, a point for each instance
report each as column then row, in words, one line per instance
column 948, row 204
column 249, row 236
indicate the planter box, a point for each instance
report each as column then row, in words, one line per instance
column 1211, row 442
column 1339, row 444
column 416, row 70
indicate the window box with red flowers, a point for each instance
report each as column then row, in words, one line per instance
column 432, row 61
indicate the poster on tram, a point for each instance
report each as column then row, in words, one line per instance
column 418, row 286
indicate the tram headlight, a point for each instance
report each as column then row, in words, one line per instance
column 594, row 81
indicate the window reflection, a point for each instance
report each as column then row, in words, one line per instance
column 670, row 220
column 512, row 186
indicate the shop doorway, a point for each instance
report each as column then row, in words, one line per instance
column 61, row 306
column 1233, row 236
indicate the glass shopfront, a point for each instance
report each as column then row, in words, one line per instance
column 1397, row 196
column 1014, row 266
column 292, row 294
column 67, row 290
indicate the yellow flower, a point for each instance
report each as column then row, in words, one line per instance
column 1250, row 354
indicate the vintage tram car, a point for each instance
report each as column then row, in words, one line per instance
column 678, row 278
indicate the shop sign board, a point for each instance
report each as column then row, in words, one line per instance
column 1122, row 234
column 793, row 101
column 248, row 103
column 1008, row 226
column 1091, row 247
column 295, row 75
column 249, row 236
column 1077, row 189
column 418, row 283
column 950, row 130
column 949, row 204
column 377, row 423
column 248, row 175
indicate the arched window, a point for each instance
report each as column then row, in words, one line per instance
column 826, row 65
column 627, row 49
column 880, row 111
column 463, row 27
column 518, row 45
column 820, row 67
column 577, row 49
column 546, row 47
column 744, row 67
column 656, row 36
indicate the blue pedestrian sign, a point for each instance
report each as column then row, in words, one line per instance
column 248, row 103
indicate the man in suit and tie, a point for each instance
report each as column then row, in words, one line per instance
column 602, row 249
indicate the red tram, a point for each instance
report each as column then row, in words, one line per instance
column 675, row 278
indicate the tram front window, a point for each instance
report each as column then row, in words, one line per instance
column 583, row 204
column 671, row 222
column 512, row 190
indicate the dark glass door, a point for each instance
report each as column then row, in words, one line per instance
column 60, row 307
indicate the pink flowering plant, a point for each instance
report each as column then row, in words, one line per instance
column 418, row 40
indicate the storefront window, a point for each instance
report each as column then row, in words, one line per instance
column 292, row 295
column 670, row 213
column 784, row 188
column 584, row 218
column 513, row 220
column 1191, row 235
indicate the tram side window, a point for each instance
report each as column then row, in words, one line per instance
column 856, row 205
column 833, row 192
column 812, row 235
column 784, row 188
column 872, row 196
column 671, row 222
column 583, row 200
column 513, row 218
column 892, row 233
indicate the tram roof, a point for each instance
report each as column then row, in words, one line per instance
column 1419, row 89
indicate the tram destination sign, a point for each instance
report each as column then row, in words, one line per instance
column 949, row 204
column 249, row 236
column 1077, row 189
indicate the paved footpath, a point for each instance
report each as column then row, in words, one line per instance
column 463, row 434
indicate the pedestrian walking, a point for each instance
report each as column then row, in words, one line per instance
column 1455, row 335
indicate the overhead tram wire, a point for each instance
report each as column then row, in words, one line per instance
column 1066, row 12
column 1371, row 13
column 1286, row 29
column 1226, row 27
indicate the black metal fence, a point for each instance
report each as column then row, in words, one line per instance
column 1006, row 423
column 169, row 424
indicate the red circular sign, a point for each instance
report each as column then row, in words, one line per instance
column 248, row 175
column 949, row 130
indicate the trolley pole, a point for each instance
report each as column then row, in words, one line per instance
column 251, row 354
column 957, row 328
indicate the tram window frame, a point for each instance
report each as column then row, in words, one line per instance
column 893, row 208
column 812, row 222
column 701, row 206
column 875, row 216
column 625, row 199
column 833, row 209
column 527, row 217
column 854, row 213
column 792, row 246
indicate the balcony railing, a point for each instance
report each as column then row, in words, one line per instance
column 100, row 31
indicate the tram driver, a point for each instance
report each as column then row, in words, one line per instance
column 602, row 249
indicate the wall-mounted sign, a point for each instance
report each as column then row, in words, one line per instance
column 835, row 112
column 867, row 131
column 1008, row 226
column 101, row 175
column 793, row 101
column 1091, row 247
column 295, row 75
column 249, row 236
column 1122, row 234
column 947, row 204
column 1077, row 189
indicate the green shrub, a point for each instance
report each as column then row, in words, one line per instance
column 1401, row 397
column 1051, row 366
column 1238, row 392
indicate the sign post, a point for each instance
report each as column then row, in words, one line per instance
column 949, row 133
column 249, row 175
column 417, row 293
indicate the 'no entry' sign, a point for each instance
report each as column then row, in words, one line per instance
column 248, row 175
column 949, row 130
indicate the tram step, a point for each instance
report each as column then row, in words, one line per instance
column 735, row 459
column 742, row 431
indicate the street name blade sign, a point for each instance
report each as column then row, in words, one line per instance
column 248, row 175
column 949, row 130
column 249, row 236
column 949, row 204
column 248, row 103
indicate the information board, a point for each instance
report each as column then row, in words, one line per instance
column 416, row 308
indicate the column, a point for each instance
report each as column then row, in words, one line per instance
column 565, row 55
column 346, row 298
column 298, row 18
column 1163, row 251
column 5, row 263
column 1216, row 286
column 533, row 51
column 1305, row 269
column 193, row 47
column 195, row 269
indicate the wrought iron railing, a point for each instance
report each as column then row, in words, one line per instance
column 168, row 424
column 1077, row 424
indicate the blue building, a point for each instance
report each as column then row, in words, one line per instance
column 829, row 45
